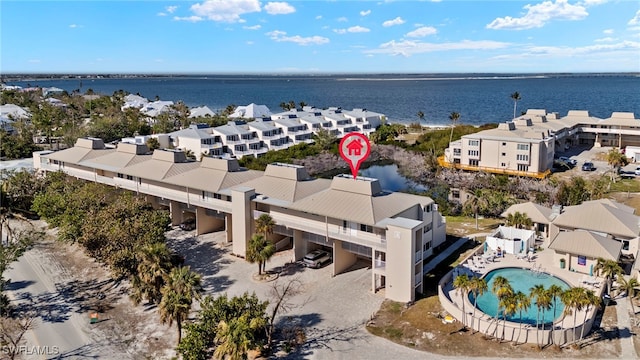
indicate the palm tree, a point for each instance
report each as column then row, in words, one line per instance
column 475, row 204
column 554, row 292
column 463, row 284
column 502, row 289
column 523, row 302
column 177, row 296
column 420, row 116
column 519, row 220
column 538, row 294
column 567, row 298
column 236, row 337
column 260, row 250
column 154, row 264
column 588, row 299
column 477, row 286
column 617, row 160
column 509, row 305
column 454, row 117
column 572, row 300
column 630, row 287
column 265, row 225
column 302, row 104
column 516, row 97
column 608, row 268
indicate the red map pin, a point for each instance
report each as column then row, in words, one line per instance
column 354, row 149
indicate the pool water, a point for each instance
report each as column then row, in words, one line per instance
column 521, row 280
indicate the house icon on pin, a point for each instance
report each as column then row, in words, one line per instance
column 355, row 148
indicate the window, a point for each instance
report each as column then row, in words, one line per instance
column 455, row 194
column 129, row 177
column 522, row 157
column 426, row 246
column 366, row 228
column 474, row 152
column 503, row 164
column 474, row 142
column 523, row 147
column 504, row 154
column 457, row 152
column 625, row 244
column 473, row 162
column 523, row 167
column 427, row 208
column 217, row 196
column 582, row 260
column 504, row 144
column 427, row 228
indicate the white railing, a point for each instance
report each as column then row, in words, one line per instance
column 418, row 279
column 380, row 264
column 418, row 256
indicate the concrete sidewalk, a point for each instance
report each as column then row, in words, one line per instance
column 628, row 351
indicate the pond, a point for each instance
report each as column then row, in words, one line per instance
column 390, row 178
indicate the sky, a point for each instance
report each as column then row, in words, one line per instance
column 251, row 36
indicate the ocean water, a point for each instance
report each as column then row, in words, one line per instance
column 479, row 98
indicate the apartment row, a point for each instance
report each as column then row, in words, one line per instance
column 277, row 132
column 526, row 145
column 353, row 219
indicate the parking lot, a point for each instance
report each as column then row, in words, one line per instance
column 332, row 310
column 597, row 156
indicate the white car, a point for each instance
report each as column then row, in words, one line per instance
column 637, row 171
column 316, row 259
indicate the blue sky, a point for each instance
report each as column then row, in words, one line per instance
column 250, row 36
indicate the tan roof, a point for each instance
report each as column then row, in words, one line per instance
column 77, row 154
column 287, row 189
column 352, row 200
column 575, row 117
column 154, row 169
column 612, row 203
column 213, row 180
column 600, row 217
column 114, row 161
column 586, row 243
column 537, row 213
column 621, row 119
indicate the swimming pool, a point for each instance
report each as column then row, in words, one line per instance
column 520, row 280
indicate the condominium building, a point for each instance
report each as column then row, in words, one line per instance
column 353, row 219
column 526, row 145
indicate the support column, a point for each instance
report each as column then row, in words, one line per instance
column 175, row 211
column 228, row 227
column 299, row 246
column 342, row 259
column 241, row 211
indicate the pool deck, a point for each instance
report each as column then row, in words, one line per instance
column 543, row 261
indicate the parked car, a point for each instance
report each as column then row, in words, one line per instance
column 188, row 224
column 316, row 259
column 637, row 172
column 568, row 160
column 588, row 166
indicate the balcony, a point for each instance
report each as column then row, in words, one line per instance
column 418, row 256
column 418, row 279
column 380, row 265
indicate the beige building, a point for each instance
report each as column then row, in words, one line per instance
column 526, row 145
column 353, row 219
column 581, row 234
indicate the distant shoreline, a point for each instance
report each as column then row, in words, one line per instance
column 345, row 76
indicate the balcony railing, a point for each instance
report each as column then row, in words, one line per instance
column 418, row 256
column 380, row 264
column 538, row 175
column 418, row 279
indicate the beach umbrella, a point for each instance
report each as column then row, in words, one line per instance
column 485, row 246
column 521, row 246
column 591, row 270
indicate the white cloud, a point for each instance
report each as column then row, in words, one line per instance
column 192, row 18
column 422, row 32
column 223, row 10
column 608, row 31
column 358, row 29
column 396, row 21
column 280, row 36
column 538, row 15
column 318, row 17
column 606, row 39
column 353, row 29
column 279, row 8
column 411, row 47
column 365, row 12
column 635, row 20
column 254, row 27
column 249, row 42
column 592, row 2
column 74, row 26
column 171, row 9
column 565, row 51
column 342, row 19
